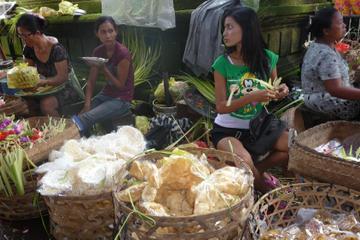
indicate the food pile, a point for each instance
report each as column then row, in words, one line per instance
column 15, row 137
column 183, row 184
column 65, row 8
column 314, row 224
column 22, row 76
column 20, row 133
column 90, row 166
column 337, row 149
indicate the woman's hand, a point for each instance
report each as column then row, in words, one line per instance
column 41, row 83
column 263, row 95
column 282, row 91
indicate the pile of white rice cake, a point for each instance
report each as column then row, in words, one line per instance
column 90, row 166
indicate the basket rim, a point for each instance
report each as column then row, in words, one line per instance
column 262, row 200
column 312, row 151
column 69, row 125
column 338, row 160
column 248, row 194
column 79, row 197
column 296, row 185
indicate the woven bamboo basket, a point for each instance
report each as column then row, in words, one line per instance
column 30, row 205
column 234, row 217
column 81, row 217
column 14, row 105
column 309, row 163
column 40, row 150
column 278, row 208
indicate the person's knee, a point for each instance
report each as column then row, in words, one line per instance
column 245, row 156
column 282, row 143
column 235, row 146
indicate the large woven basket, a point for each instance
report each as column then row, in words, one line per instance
column 235, row 216
column 82, row 217
column 279, row 207
column 14, row 105
column 40, row 150
column 312, row 164
column 29, row 206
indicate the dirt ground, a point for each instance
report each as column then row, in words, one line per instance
column 24, row 230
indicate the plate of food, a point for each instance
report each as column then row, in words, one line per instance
column 40, row 91
column 95, row 60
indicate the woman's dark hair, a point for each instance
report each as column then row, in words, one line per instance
column 32, row 23
column 253, row 45
column 104, row 19
column 321, row 21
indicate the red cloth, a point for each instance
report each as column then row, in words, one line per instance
column 120, row 53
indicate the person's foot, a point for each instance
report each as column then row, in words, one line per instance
column 269, row 182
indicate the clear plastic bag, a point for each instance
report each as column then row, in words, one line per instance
column 143, row 13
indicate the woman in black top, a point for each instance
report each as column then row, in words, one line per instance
column 51, row 60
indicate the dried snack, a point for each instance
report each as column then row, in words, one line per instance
column 181, row 173
column 146, row 171
column 153, row 209
column 134, row 191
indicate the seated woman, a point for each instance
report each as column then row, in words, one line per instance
column 325, row 74
column 51, row 60
column 246, row 59
column 114, row 100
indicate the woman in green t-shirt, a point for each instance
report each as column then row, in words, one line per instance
column 246, row 59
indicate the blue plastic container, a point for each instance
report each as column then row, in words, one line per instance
column 4, row 88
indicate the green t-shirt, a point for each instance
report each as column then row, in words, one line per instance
column 242, row 76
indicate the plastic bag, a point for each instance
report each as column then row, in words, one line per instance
column 143, row 13
column 222, row 189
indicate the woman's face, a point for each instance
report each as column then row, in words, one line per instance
column 232, row 32
column 26, row 36
column 338, row 28
column 106, row 33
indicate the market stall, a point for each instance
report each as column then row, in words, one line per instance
column 162, row 177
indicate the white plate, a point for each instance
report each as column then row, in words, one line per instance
column 95, row 60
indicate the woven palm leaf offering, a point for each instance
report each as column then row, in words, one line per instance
column 316, row 211
column 78, row 180
column 328, row 152
column 22, row 76
column 187, row 193
column 17, row 180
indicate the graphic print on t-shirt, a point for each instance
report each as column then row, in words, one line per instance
column 247, row 84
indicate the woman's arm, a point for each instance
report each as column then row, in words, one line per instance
column 220, row 94
column 122, row 72
column 94, row 71
column 61, row 76
column 335, row 88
